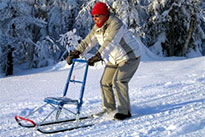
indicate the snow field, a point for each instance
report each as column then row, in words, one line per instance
column 167, row 99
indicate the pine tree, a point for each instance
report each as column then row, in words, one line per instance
column 69, row 41
column 83, row 21
column 41, row 32
column 178, row 22
column 17, row 24
column 32, row 29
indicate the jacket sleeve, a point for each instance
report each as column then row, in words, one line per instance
column 114, row 35
column 87, row 43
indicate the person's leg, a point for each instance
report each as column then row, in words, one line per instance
column 108, row 100
column 123, row 74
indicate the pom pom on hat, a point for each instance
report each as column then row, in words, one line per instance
column 100, row 8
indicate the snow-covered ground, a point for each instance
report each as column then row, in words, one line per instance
column 167, row 97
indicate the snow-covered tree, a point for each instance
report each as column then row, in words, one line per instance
column 61, row 16
column 41, row 32
column 84, row 22
column 16, row 31
column 32, row 29
column 133, row 13
column 44, row 53
column 202, row 18
column 69, row 41
column 173, row 28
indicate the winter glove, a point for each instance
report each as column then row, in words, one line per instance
column 94, row 59
column 73, row 54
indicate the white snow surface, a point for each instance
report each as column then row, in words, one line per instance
column 167, row 99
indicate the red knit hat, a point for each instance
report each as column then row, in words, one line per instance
column 101, row 9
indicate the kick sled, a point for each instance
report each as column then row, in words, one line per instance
column 58, row 105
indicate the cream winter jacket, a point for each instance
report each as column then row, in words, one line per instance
column 117, row 44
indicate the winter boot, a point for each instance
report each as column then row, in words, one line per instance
column 120, row 116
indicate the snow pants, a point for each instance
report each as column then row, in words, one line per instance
column 114, row 85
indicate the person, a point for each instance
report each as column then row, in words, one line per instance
column 119, row 49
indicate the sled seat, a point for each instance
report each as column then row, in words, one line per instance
column 78, row 101
column 60, row 101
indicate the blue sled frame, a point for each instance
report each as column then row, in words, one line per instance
column 58, row 104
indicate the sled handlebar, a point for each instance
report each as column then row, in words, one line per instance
column 80, row 60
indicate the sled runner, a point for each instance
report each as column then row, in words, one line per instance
column 59, row 104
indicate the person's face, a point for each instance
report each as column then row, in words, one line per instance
column 98, row 18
